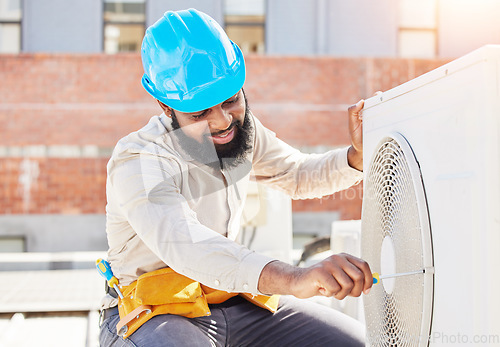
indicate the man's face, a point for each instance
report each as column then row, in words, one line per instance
column 225, row 127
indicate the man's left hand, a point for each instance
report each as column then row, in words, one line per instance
column 355, row 153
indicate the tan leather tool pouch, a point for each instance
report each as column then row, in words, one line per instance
column 164, row 291
column 159, row 292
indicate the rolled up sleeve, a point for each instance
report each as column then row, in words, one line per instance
column 300, row 175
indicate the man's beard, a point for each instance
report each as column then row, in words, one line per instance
column 227, row 155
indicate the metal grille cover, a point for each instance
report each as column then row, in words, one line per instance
column 395, row 231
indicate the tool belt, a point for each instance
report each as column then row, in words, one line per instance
column 164, row 291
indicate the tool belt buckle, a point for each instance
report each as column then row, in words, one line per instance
column 122, row 326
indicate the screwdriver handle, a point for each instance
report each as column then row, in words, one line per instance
column 376, row 277
column 105, row 271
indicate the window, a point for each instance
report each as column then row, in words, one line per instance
column 417, row 43
column 10, row 26
column 124, row 25
column 418, row 28
column 245, row 23
column 12, row 244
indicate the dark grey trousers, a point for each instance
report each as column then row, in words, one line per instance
column 237, row 322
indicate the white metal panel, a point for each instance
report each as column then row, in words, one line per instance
column 451, row 119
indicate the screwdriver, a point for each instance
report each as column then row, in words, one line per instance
column 105, row 271
column 377, row 277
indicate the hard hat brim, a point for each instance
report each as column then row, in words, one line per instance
column 206, row 97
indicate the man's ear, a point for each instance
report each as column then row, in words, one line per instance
column 167, row 110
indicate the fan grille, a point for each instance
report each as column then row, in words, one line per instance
column 394, row 206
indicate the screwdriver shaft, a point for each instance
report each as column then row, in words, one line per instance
column 118, row 291
column 402, row 274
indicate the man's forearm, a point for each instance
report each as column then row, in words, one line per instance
column 284, row 279
column 277, row 278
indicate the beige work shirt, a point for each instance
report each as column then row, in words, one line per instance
column 167, row 209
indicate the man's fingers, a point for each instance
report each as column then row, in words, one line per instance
column 357, row 278
column 365, row 269
column 352, row 274
column 357, row 107
column 347, row 285
column 339, row 276
column 349, row 276
column 329, row 286
column 355, row 111
column 339, row 268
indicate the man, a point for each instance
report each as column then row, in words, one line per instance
column 176, row 190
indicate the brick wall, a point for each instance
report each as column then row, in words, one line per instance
column 60, row 116
column 42, row 185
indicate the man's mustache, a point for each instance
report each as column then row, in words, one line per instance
column 233, row 124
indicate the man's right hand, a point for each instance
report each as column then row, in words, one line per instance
column 339, row 275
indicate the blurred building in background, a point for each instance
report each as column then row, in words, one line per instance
column 70, row 89
column 382, row 28
column 70, row 72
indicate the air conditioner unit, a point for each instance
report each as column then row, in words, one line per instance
column 431, row 206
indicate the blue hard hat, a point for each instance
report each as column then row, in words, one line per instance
column 189, row 62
